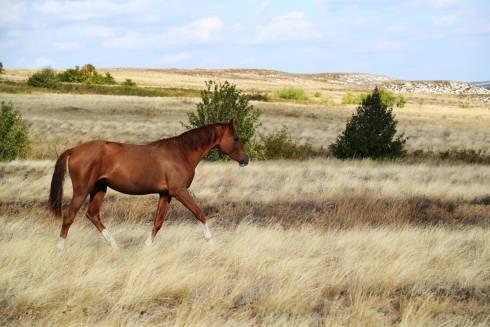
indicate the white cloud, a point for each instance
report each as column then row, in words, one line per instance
column 43, row 61
column 13, row 12
column 66, row 46
column 445, row 3
column 129, row 40
column 290, row 27
column 389, row 46
column 445, row 21
column 201, row 30
column 98, row 31
column 198, row 31
column 396, row 28
column 86, row 9
column 175, row 58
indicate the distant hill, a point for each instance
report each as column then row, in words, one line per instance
column 484, row 84
column 265, row 80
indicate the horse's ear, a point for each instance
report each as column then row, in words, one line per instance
column 232, row 122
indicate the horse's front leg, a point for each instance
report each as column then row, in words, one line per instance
column 186, row 199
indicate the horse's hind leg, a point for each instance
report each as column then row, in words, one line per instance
column 163, row 203
column 93, row 212
column 75, row 204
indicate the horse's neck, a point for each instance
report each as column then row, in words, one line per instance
column 197, row 155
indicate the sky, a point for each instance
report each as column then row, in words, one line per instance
column 413, row 39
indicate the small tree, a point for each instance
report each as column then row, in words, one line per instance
column 280, row 145
column 44, row 78
column 370, row 133
column 1, row 68
column 220, row 103
column 14, row 134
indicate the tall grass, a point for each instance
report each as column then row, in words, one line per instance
column 249, row 275
column 124, row 89
column 291, row 93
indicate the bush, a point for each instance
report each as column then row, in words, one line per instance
column 370, row 133
column 14, row 134
column 350, row 98
column 97, row 78
column 128, row 82
column 280, row 145
column 87, row 74
column 291, row 93
column 317, row 94
column 72, row 75
column 44, row 78
column 1, row 68
column 88, row 70
column 220, row 103
column 388, row 97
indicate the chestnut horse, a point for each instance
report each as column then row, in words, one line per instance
column 166, row 167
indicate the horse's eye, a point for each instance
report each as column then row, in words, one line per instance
column 236, row 139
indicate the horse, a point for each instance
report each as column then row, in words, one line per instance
column 165, row 167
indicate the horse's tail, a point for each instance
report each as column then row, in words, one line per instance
column 56, row 191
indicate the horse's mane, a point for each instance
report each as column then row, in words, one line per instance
column 194, row 138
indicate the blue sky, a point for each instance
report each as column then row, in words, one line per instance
column 414, row 39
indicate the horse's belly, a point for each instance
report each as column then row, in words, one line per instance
column 135, row 183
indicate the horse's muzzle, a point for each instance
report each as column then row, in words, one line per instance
column 243, row 161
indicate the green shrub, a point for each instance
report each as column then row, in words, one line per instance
column 291, row 93
column 317, row 94
column 97, row 78
column 14, row 134
column 350, row 98
column 46, row 77
column 220, row 103
column 1, row 68
column 388, row 97
column 128, row 82
column 370, row 133
column 280, row 145
column 87, row 74
column 72, row 75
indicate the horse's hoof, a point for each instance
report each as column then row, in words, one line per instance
column 60, row 244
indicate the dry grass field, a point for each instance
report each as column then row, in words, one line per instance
column 313, row 243
column 62, row 120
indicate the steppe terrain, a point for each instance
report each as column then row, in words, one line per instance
column 320, row 242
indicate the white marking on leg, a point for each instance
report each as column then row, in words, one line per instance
column 60, row 244
column 205, row 230
column 149, row 240
column 107, row 235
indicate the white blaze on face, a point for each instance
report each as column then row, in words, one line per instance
column 107, row 235
column 205, row 229
column 60, row 244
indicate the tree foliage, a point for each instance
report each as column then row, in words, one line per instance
column 219, row 103
column 280, row 145
column 370, row 133
column 14, row 134
column 45, row 77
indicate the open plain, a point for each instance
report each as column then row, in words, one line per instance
column 320, row 242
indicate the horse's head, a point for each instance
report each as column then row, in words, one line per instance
column 230, row 144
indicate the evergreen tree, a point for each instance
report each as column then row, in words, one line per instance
column 370, row 133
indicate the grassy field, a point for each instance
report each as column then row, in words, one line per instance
column 319, row 242
column 249, row 275
column 61, row 120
